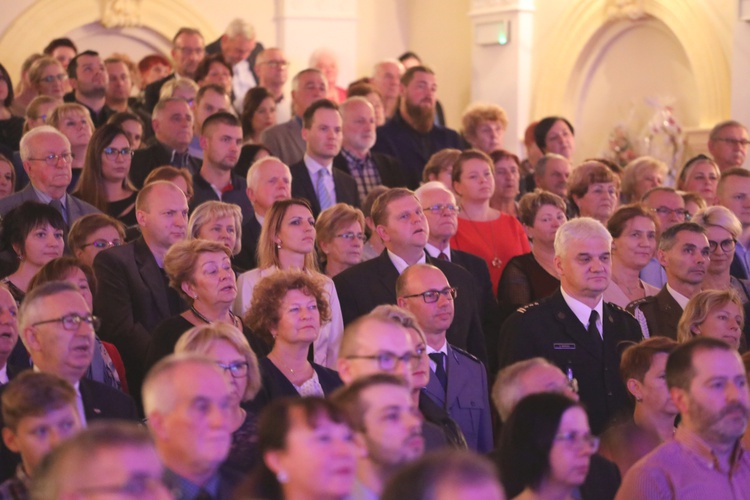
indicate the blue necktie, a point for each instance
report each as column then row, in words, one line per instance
column 324, row 197
column 438, row 358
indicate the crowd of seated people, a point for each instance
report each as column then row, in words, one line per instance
column 212, row 289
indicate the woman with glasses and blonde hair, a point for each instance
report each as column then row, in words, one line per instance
column 340, row 238
column 287, row 241
column 228, row 348
column 714, row 313
column 287, row 311
column 217, row 221
column 104, row 182
column 48, row 77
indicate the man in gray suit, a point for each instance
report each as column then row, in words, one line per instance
column 458, row 380
column 47, row 160
column 285, row 140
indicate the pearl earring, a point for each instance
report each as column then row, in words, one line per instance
column 282, row 477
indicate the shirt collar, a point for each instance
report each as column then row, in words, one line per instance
column 313, row 166
column 401, row 264
column 4, row 374
column 693, row 442
column 681, row 299
column 443, row 349
column 350, row 157
column 434, row 251
column 45, row 198
column 581, row 310
column 188, row 488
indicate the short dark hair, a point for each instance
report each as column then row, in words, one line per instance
column 83, row 227
column 124, row 116
column 543, row 127
column 22, row 220
column 205, row 65
column 220, row 117
column 73, row 66
column 33, row 394
column 409, row 55
column 348, row 398
column 57, row 269
column 408, row 76
column 379, row 211
column 185, row 31
column 59, row 42
column 669, row 236
column 680, row 369
column 616, row 223
column 309, row 114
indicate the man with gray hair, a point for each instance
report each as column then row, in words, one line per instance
column 551, row 174
column 271, row 69
column 285, row 139
column 188, row 403
column 574, row 328
column 727, row 143
column 386, row 78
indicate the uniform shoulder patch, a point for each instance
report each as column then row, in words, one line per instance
column 465, row 353
column 525, row 308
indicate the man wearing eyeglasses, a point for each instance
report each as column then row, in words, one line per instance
column 669, row 207
column 458, row 380
column 271, row 68
column 684, row 254
column 728, row 143
column 733, row 192
column 47, row 159
column 57, row 329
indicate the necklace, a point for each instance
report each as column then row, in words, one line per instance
column 205, row 319
column 496, row 261
column 629, row 291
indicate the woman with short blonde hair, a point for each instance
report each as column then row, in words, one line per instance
column 340, row 237
column 217, row 221
column 640, row 175
column 714, row 313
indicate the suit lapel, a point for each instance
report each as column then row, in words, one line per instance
column 388, row 275
column 435, row 390
column 152, row 276
column 90, row 407
column 306, row 187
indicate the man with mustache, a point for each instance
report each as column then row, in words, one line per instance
column 684, row 254
column 707, row 382
column 89, row 79
column 411, row 135
column 221, row 140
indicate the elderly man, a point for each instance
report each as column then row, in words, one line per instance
column 211, row 98
column 669, row 208
column 684, row 254
column 173, row 129
column 727, row 143
column 285, row 139
column 369, row 169
column 187, row 402
column 47, row 160
column 733, row 192
column 221, row 139
column 271, row 69
column 551, row 174
column 188, row 48
column 386, row 78
column 133, row 295
column 708, row 384
column 458, row 381
column 89, row 80
column 111, row 459
column 411, row 135
column 387, row 428
column 314, row 178
column 574, row 328
column 268, row 181
column 401, row 224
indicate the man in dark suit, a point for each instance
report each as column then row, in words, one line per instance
column 173, row 130
column 188, row 49
column 268, row 181
column 47, row 159
column 458, row 380
column 314, row 178
column 733, row 192
column 574, row 328
column 185, row 398
column 369, row 169
column 402, row 226
column 133, row 296
column 684, row 254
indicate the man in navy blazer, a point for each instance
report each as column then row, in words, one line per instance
column 47, row 159
column 314, row 178
column 458, row 380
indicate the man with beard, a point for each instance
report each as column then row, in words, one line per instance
column 684, row 254
column 386, row 425
column 411, row 135
column 707, row 381
column 368, row 168
column 89, row 80
column 221, row 140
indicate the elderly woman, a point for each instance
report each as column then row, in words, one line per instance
column 633, row 230
column 482, row 230
column 287, row 311
column 640, row 175
column 440, row 167
column 507, row 177
column 217, row 221
column 48, row 77
column 201, row 272
column 104, row 182
column 228, row 348
column 287, row 241
column 308, row 451
column 340, row 238
column 258, row 113
column 594, row 190
column 642, row 370
column 74, row 121
column 484, row 126
column 92, row 234
column 700, row 175
column 714, row 313
column 532, row 276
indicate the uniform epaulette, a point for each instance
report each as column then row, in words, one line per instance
column 525, row 308
column 465, row 353
column 615, row 306
column 644, row 300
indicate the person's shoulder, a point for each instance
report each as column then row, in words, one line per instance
column 465, row 354
column 637, row 304
column 356, row 271
column 124, row 252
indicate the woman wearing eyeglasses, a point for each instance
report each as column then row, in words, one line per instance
column 229, row 349
column 104, row 182
column 93, row 233
column 201, row 272
column 48, row 77
column 287, row 311
column 545, row 448
column 340, row 238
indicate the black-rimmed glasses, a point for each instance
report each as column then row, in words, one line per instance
column 431, row 296
column 387, row 361
column 72, row 321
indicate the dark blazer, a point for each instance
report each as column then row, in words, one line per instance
column 74, row 208
column 215, row 47
column 371, row 283
column 662, row 313
column 467, row 400
column 737, row 269
column 203, row 192
column 389, row 169
column 247, row 259
column 550, row 329
column 151, row 92
column 274, row 383
column 148, row 159
column 343, row 183
column 132, row 298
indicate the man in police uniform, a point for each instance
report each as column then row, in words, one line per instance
column 574, row 328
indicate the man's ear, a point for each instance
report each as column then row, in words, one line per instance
column 304, row 133
column 344, row 369
column 634, row 387
column 361, row 444
column 382, row 233
column 681, row 399
column 9, row 438
column 661, row 256
column 557, row 262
